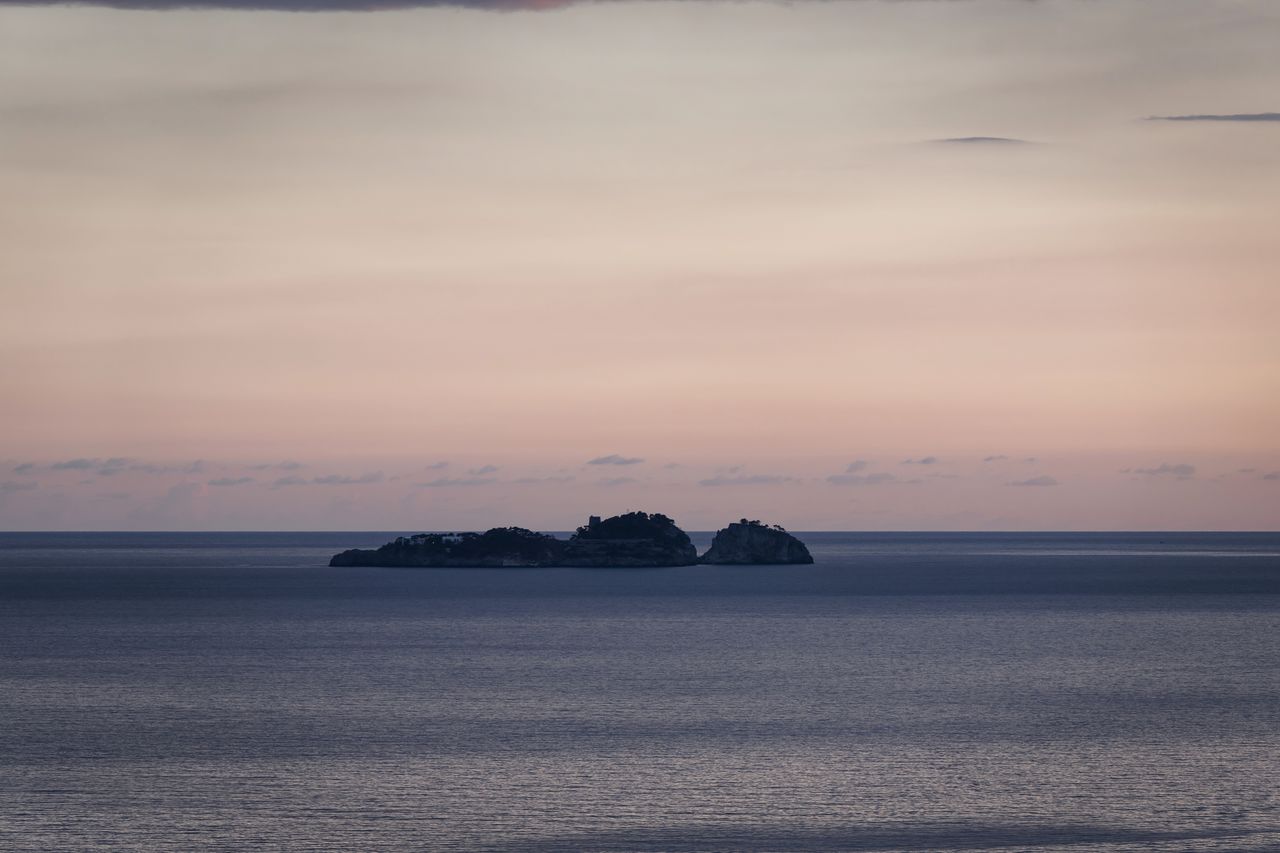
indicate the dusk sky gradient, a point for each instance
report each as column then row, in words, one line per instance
column 931, row 264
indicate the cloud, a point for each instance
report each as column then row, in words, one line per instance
column 326, row 480
column 450, row 482
column 750, row 480
column 536, row 481
column 1274, row 475
column 307, row 5
column 8, row 486
column 1182, row 471
column 80, row 464
column 616, row 481
column 311, row 5
column 287, row 465
column 1043, row 480
column 149, row 468
column 856, row 466
column 195, row 467
column 923, row 460
column 24, row 468
column 981, row 140
column 342, row 480
column 436, row 466
column 861, row 479
column 114, row 465
column 997, row 458
column 230, row 481
column 1246, row 117
column 482, row 470
column 615, row 459
column 106, row 467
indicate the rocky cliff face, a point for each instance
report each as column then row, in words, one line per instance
column 501, row 546
column 750, row 543
column 634, row 540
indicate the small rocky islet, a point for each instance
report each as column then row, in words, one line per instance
column 632, row 540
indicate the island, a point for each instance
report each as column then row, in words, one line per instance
column 631, row 540
column 750, row 543
column 501, row 546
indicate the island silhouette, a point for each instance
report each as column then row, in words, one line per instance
column 631, row 540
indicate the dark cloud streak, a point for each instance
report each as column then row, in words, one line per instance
column 981, row 140
column 80, row 464
column 343, row 6
column 452, row 482
column 615, row 459
column 305, row 5
column 343, row 480
column 1181, row 470
column 1243, row 117
column 330, row 480
column 749, row 480
column 875, row 479
column 1043, row 480
column 230, row 481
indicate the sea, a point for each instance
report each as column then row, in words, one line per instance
column 907, row 692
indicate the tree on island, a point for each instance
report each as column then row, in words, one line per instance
column 632, row 525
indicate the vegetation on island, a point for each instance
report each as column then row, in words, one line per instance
column 630, row 540
column 631, row 525
column 500, row 546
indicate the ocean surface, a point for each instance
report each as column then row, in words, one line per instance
column 908, row 692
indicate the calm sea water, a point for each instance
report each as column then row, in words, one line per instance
column 905, row 693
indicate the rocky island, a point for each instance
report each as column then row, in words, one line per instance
column 501, row 546
column 750, row 543
column 632, row 540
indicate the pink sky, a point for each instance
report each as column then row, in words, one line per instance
column 724, row 239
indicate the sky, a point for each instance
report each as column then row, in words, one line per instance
column 853, row 264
